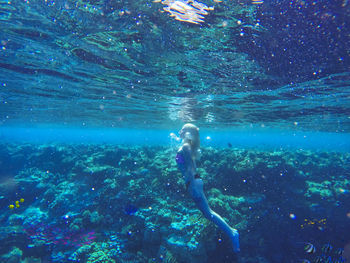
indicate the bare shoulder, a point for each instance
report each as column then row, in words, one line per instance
column 186, row 147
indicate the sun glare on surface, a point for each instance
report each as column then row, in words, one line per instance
column 186, row 10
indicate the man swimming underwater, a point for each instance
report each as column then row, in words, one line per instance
column 186, row 158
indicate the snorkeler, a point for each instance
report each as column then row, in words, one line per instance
column 186, row 158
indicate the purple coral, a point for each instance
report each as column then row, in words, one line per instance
column 52, row 234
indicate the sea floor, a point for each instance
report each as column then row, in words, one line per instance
column 119, row 203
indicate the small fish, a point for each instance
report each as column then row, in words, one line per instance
column 339, row 251
column 257, row 2
column 305, row 261
column 327, row 248
column 309, row 248
column 229, row 145
column 130, row 209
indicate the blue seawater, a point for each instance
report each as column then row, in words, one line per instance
column 93, row 94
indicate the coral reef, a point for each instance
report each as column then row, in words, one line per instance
column 14, row 256
column 77, row 198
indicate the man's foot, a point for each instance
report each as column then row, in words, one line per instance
column 235, row 240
